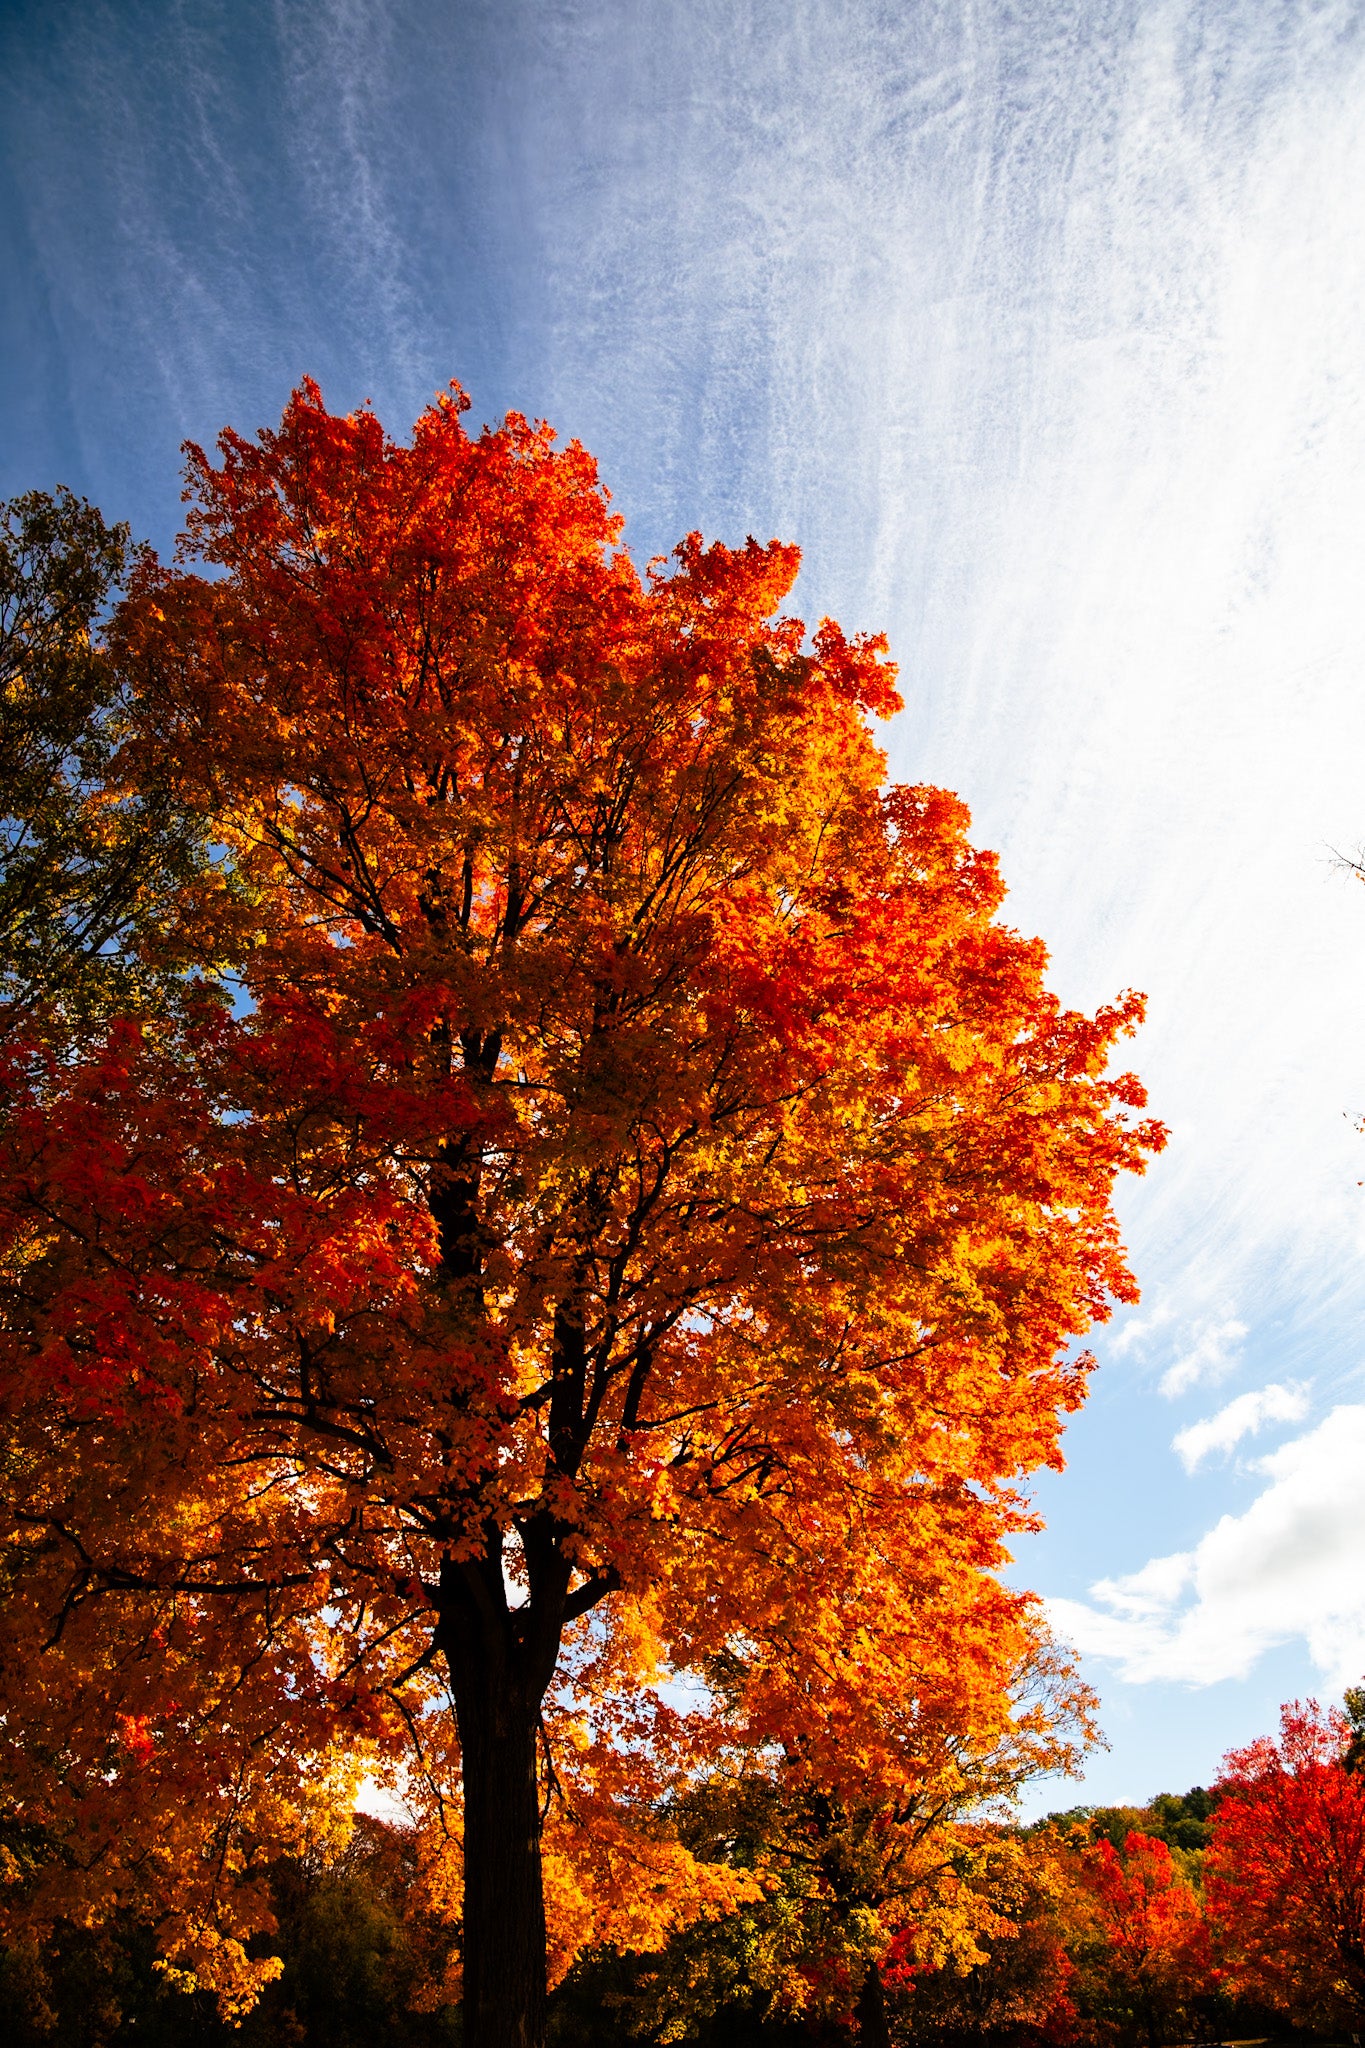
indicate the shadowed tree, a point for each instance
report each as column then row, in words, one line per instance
column 88, row 856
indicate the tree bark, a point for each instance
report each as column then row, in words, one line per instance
column 501, row 1660
column 504, row 1909
column 872, row 2028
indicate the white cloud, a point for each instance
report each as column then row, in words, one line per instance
column 1150, row 1593
column 1211, row 1356
column 1291, row 1567
column 1137, row 1331
column 1242, row 1417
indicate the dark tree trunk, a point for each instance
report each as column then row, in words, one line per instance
column 872, row 2028
column 501, row 1659
column 504, row 1909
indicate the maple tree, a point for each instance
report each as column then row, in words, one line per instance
column 1286, row 1868
column 145, row 1763
column 1148, row 1956
column 632, row 1222
column 861, row 1886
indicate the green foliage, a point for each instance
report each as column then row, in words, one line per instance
column 88, row 854
column 1179, row 1819
column 1354, row 1704
column 362, row 1961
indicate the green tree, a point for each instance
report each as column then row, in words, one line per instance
column 88, row 856
column 1179, row 1819
column 1354, row 1707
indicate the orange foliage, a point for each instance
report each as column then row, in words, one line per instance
column 1015, row 1984
column 635, row 1220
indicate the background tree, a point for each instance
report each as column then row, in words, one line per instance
column 1179, row 1819
column 860, row 1885
column 1147, row 1959
column 648, row 1196
column 87, row 855
column 1016, row 1988
column 1102, row 1936
column 356, row 1923
column 1353, row 1706
column 1286, row 1869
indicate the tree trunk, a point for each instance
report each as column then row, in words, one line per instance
column 504, row 1908
column 872, row 2028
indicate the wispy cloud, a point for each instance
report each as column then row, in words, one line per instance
column 1241, row 1418
column 1292, row 1567
column 1210, row 1356
column 1039, row 326
column 346, row 141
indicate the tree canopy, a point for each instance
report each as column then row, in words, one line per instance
column 626, row 1234
column 1287, row 1866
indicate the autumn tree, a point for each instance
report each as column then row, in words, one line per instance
column 1286, row 1868
column 1146, row 1959
column 641, row 1181
column 863, row 1883
column 1016, row 1987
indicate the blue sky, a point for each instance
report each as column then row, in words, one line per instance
column 1040, row 324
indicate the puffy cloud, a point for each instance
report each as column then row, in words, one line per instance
column 1292, row 1566
column 1211, row 1356
column 1242, row 1417
column 1137, row 1331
